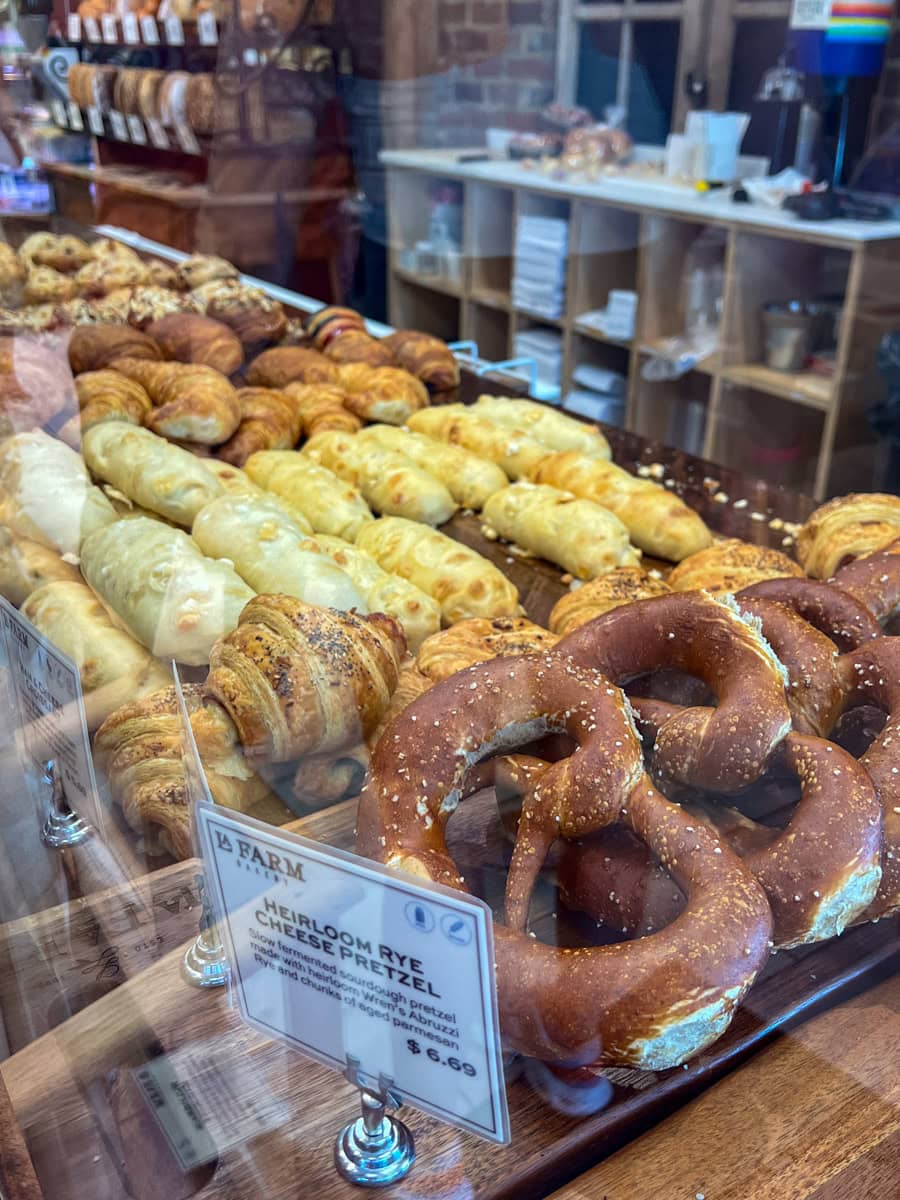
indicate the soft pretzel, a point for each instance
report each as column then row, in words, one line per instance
column 875, row 581
column 832, row 610
column 651, row 1003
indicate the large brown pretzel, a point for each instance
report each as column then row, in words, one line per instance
column 875, row 581
column 652, row 1003
column 835, row 612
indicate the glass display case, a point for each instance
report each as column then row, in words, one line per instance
column 449, row 591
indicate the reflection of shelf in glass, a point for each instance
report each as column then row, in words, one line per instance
column 661, row 348
column 537, row 316
column 492, row 297
column 438, row 283
column 598, row 335
column 803, row 387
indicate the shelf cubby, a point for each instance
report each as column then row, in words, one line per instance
column 489, row 242
column 673, row 411
column 604, row 257
column 416, row 304
column 489, row 327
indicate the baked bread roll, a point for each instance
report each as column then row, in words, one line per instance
column 426, row 357
column 150, row 471
column 114, row 668
column 301, row 680
column 26, row 565
column 43, row 285
column 381, row 393
column 328, row 503
column 390, row 483
column 269, row 421
column 321, row 407
column 236, row 482
column 463, row 583
column 155, row 578
column 625, row 585
column 417, row 613
column 658, row 522
column 730, row 565
column 845, row 528
column 580, row 536
column 93, row 347
column 546, row 425
column 63, row 252
column 192, row 338
column 193, row 272
column 102, row 276
column 519, row 456
column 357, row 346
column 138, row 749
column 266, row 547
column 477, row 640
column 46, row 494
column 290, row 364
column 105, row 396
column 160, row 274
column 470, row 480
column 190, row 402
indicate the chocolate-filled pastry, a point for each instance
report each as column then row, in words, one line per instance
column 326, row 324
column 95, row 346
column 426, row 357
column 191, row 338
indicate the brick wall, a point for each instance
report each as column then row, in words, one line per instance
column 498, row 61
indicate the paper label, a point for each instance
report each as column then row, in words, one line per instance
column 75, row 116
column 810, row 14
column 157, row 134
column 207, row 32
column 73, row 27
column 110, row 29
column 338, row 957
column 174, row 31
column 131, row 32
column 92, row 29
column 186, row 139
column 119, row 127
column 136, row 130
column 150, row 31
column 95, row 120
column 58, row 109
column 46, row 691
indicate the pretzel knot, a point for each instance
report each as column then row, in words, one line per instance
column 651, row 1003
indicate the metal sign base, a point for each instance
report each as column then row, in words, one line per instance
column 205, row 964
column 376, row 1149
column 61, row 826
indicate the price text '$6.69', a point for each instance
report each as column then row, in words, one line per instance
column 455, row 1065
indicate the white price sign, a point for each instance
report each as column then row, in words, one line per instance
column 150, row 31
column 95, row 120
column 136, row 130
column 810, row 14
column 174, row 31
column 110, row 29
column 207, row 33
column 119, row 128
column 131, row 31
column 75, row 116
column 92, row 29
column 58, row 109
column 73, row 27
column 46, row 689
column 157, row 134
column 337, row 956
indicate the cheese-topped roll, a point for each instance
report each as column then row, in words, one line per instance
column 152, row 472
column 175, row 600
column 328, row 503
column 516, row 453
column 549, row 426
column 266, row 547
column 26, row 565
column 468, row 478
column 390, row 482
column 462, row 582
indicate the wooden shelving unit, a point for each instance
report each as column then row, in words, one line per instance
column 804, row 429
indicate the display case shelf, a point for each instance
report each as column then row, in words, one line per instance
column 800, row 387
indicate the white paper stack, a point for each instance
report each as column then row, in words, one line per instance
column 539, row 279
column 599, row 394
column 617, row 319
column 544, row 347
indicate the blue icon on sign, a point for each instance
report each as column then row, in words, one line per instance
column 456, row 929
column 419, row 916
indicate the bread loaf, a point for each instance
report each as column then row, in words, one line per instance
column 329, row 504
column 469, row 479
column 546, row 425
column 517, row 455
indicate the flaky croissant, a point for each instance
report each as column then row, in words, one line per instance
column 357, row 346
column 138, row 748
column 845, row 528
column 290, row 364
column 105, row 396
column 96, row 346
column 730, row 565
column 269, row 421
column 386, row 394
column 296, row 679
column 477, row 640
column 192, row 338
column 191, row 403
column 426, row 357
column 321, row 408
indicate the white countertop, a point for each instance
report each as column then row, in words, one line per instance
column 670, row 199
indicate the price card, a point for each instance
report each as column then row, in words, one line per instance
column 110, row 29
column 150, row 31
column 73, row 27
column 95, row 121
column 131, row 31
column 46, row 689
column 119, row 128
column 207, row 32
column 186, row 140
column 58, row 109
column 338, row 956
column 75, row 116
column 92, row 29
column 157, row 134
column 136, row 130
column 174, row 31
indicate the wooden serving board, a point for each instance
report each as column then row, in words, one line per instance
column 87, row 1135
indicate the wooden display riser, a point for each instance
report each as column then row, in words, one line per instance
column 88, row 1133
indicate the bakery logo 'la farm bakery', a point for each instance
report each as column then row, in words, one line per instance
column 268, row 863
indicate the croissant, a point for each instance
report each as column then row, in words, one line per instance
column 266, row 546
column 730, row 565
column 289, row 364
column 470, row 480
column 624, row 585
column 477, row 640
column 519, row 456
column 113, row 666
column 551, row 428
column 204, row 268
column 192, row 338
column 357, row 346
column 329, row 504
column 462, row 582
column 426, row 357
column 173, row 599
column 845, row 528
column 138, row 748
column 300, row 680
column 416, row 613
column 321, row 407
column 105, row 396
column 46, row 494
column 269, row 421
column 658, row 522
column 95, row 346
column 191, row 402
column 411, row 684
column 389, row 482
column 149, row 470
column 26, row 565
column 325, row 779
column 381, row 393
column 579, row 535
